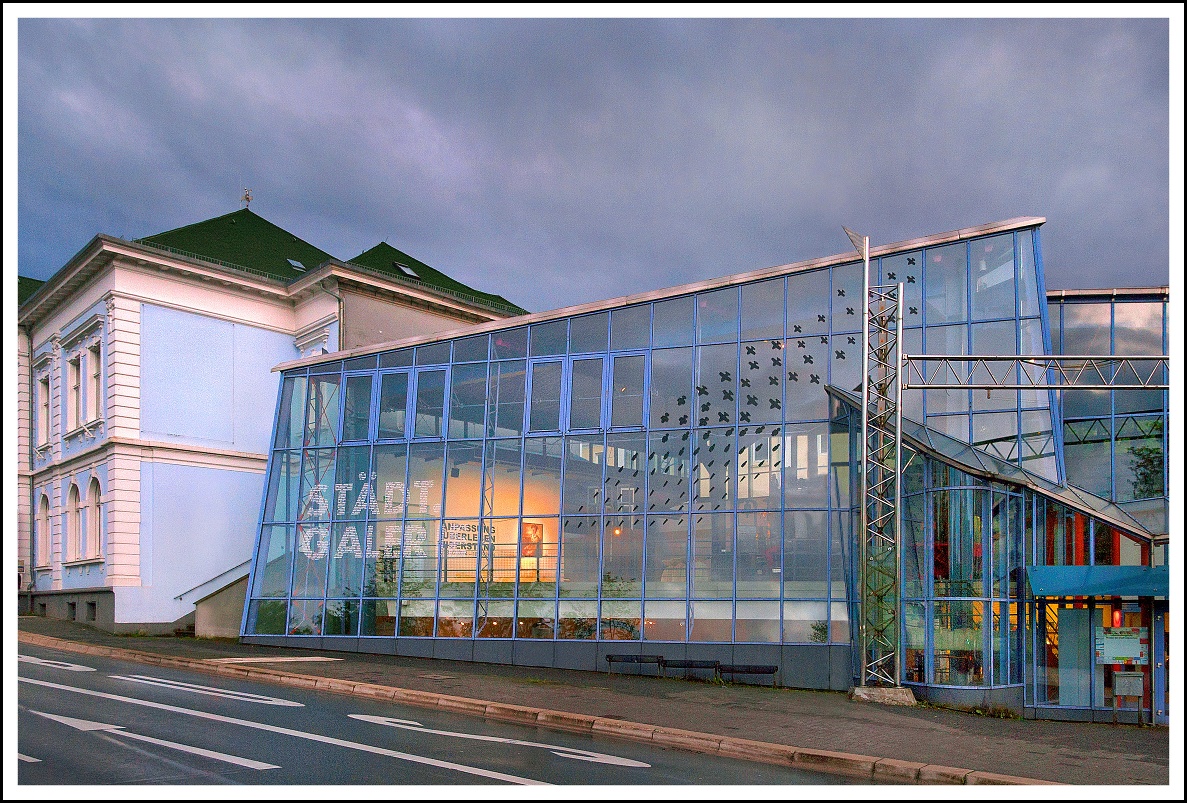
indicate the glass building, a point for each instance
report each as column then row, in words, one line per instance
column 674, row 474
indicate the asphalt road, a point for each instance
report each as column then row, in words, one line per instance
column 92, row 720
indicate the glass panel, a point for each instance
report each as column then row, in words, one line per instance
column 841, row 559
column 467, row 401
column 717, row 316
column 356, row 418
column 426, row 464
column 838, row 623
column 991, row 339
column 807, row 361
column 997, row 433
column 317, row 475
column 433, row 354
column 622, row 557
column 510, row 344
column 713, row 555
column 393, row 405
column 273, row 563
column 577, row 620
column 668, row 464
column 946, row 340
column 712, row 621
column 588, row 333
column 353, row 490
column 959, row 647
column 290, row 420
column 321, row 414
column 579, row 567
column 585, row 397
column 495, row 619
column 283, row 483
column 846, row 297
column 762, row 310
column 507, row 380
column 757, row 622
column 267, row 617
column 665, row 621
column 416, row 617
column 805, row 622
column 396, row 359
column 713, row 473
column 957, row 553
column 716, row 384
column 497, row 557
column 455, row 618
column 463, row 485
column 805, row 553
column 620, row 621
column 545, row 414
column 585, row 455
column 1086, row 446
column 945, row 284
column 381, row 570
column 430, row 403
column 459, row 557
column 627, row 401
column 1030, row 341
column 673, row 322
column 1028, row 284
column 667, row 557
column 915, row 568
column 758, row 546
column 346, row 560
column 379, row 617
column 626, row 463
column 420, row 558
column 471, row 349
column 760, row 472
column 1137, row 327
column 630, row 328
column 671, row 387
column 537, row 619
column 1141, row 459
column 309, row 562
column 391, row 465
column 908, row 269
column 805, row 465
column 547, row 339
column 914, row 643
column 538, row 551
column 760, row 380
column 306, row 617
column 992, row 274
column 808, row 303
column 542, row 476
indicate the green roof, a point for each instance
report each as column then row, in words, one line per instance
column 243, row 239
column 391, row 261
column 25, row 287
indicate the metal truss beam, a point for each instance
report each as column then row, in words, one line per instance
column 1064, row 372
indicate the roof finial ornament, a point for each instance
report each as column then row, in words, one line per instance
column 246, row 198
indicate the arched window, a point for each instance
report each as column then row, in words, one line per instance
column 94, row 519
column 41, row 555
column 73, row 523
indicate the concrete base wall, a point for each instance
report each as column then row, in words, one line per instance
column 221, row 614
column 96, row 607
column 1007, row 698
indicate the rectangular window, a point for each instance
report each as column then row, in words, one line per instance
column 393, row 405
column 73, row 409
column 627, row 410
column 43, row 411
column 585, row 398
column 356, row 419
column 546, row 397
column 430, row 403
column 95, row 385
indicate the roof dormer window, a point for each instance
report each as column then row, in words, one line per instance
column 404, row 269
column 296, row 265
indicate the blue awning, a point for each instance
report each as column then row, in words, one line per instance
column 1098, row 581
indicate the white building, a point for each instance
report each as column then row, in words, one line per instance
column 146, row 399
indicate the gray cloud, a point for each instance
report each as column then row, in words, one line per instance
column 558, row 161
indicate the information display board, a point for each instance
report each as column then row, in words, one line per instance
column 1122, row 645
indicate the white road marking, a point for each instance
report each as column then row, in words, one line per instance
column 314, row 737
column 30, row 759
column 560, row 750
column 118, row 730
column 33, row 659
column 213, row 691
column 282, row 659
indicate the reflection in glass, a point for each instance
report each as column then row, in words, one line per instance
column 471, row 349
column 463, row 484
column 665, row 621
column 758, row 547
column 545, row 411
column 283, row 487
column 584, row 456
column 290, row 420
column 306, row 617
column 419, row 560
column 620, row 621
column 459, row 556
column 426, row 464
column 622, row 557
column 671, row 387
column 991, row 271
column 626, row 464
column 945, row 284
column 907, row 269
column 542, row 476
column 668, row 456
column 1086, row 446
column 627, row 399
column 495, row 619
column 309, row 560
column 356, row 417
column 317, row 475
column 391, row 489
column 579, row 566
column 577, row 620
column 346, row 560
column 762, row 310
column 588, row 333
column 433, row 354
column 1028, row 284
column 1140, row 458
column 808, row 303
column 848, row 284
column 717, row 316
column 711, row 621
column 510, row 344
column 760, row 464
column 455, row 618
column 381, row 569
column 716, row 385
column 805, row 465
column 713, row 555
column 321, row 413
column 713, row 471
column 806, row 361
column 672, row 322
column 467, row 401
column 548, row 338
column 958, row 643
column 667, row 557
column 630, row 328
column 354, row 493
column 536, row 619
column 805, row 554
column 273, row 562
column 538, row 557
column 401, row 358
column 760, row 382
column 416, row 617
column 379, row 617
column 757, row 622
column 585, row 394
column 506, row 399
column 430, row 403
column 393, row 405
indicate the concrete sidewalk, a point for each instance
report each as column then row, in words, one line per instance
column 1062, row 752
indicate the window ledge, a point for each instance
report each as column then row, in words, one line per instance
column 88, row 428
column 44, row 567
column 84, row 561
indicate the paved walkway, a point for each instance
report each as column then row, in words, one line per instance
column 1064, row 752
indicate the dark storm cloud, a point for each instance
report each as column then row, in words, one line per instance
column 558, row 161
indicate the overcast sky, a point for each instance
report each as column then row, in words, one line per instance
column 564, row 161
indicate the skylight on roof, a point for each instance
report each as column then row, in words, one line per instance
column 407, row 271
column 296, row 265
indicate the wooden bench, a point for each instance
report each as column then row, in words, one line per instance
column 665, row 665
column 749, row 669
column 613, row 659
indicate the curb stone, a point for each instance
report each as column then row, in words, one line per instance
column 849, row 764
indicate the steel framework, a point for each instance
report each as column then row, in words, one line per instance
column 1043, row 372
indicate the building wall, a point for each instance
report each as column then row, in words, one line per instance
column 369, row 320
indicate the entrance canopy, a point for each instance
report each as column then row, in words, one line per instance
column 1098, row 581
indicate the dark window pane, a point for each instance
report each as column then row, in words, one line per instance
column 433, row 354
column 356, row 419
column 290, row 421
column 585, row 408
column 671, row 388
column 805, row 554
column 419, row 562
column 393, row 405
column 511, row 344
column 630, row 328
column 627, row 401
column 545, row 412
column 622, row 557
column 1141, row 458
column 717, row 316
column 507, row 381
column 762, row 310
column 547, row 339
column 672, row 325
column 360, row 363
column 430, row 403
column 471, row 349
column 589, row 333
column 579, row 567
column 467, row 401
column 402, row 358
column 346, row 560
column 317, row 475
